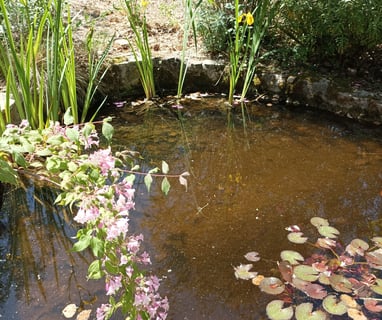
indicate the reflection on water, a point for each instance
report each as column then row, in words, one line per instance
column 245, row 188
column 39, row 273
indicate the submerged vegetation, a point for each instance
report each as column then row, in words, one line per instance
column 55, row 144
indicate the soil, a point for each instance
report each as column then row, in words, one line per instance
column 108, row 18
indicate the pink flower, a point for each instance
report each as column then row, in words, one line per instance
column 102, row 311
column 113, row 284
column 85, row 215
column 103, row 159
column 118, row 227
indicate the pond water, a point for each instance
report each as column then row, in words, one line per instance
column 245, row 187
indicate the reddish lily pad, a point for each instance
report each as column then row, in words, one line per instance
column 306, row 273
column 297, row 237
column 275, row 311
column 328, row 231
column 300, row 284
column 304, row 311
column 326, row 243
column 333, row 306
column 324, row 279
column 315, row 291
column 372, row 305
column 252, row 256
column 286, row 270
column 293, row 257
column 272, row 285
column 319, row 222
column 340, row 283
column 357, row 246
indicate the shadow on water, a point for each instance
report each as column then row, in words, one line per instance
column 39, row 275
column 245, row 188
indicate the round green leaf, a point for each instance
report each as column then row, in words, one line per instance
column 377, row 287
column 357, row 246
column 275, row 311
column 328, row 231
column 377, row 241
column 333, row 306
column 304, row 312
column 306, row 273
column 319, row 222
column 340, row 283
column 293, row 257
column 272, row 285
column 297, row 237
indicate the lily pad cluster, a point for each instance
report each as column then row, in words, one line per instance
column 335, row 280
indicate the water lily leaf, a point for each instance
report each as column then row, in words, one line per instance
column 328, row 231
column 319, row 222
column 297, row 237
column 306, row 273
column 272, row 285
column 257, row 280
column 349, row 301
column 69, row 311
column 324, row 279
column 275, row 311
column 315, row 291
column 304, row 312
column 359, row 288
column 374, row 258
column 252, row 256
column 320, row 266
column 333, row 306
column 326, row 243
column 377, row 287
column 357, row 246
column 300, row 284
column 286, row 270
column 377, row 241
column 372, row 305
column 293, row 257
column 340, row 283
column 356, row 314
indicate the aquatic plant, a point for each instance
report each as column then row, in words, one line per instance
column 335, row 279
column 97, row 186
column 39, row 67
column 249, row 30
column 136, row 15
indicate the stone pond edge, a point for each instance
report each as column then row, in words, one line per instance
column 339, row 96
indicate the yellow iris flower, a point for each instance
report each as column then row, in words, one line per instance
column 144, row 4
column 248, row 18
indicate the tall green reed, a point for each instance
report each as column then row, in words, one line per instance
column 249, row 30
column 190, row 13
column 136, row 15
column 39, row 66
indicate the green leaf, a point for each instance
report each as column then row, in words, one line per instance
column 148, row 181
column 97, row 246
column 275, row 310
column 7, row 173
column 377, row 287
column 82, row 243
column 297, row 237
column 293, row 257
column 328, row 231
column 72, row 134
column 333, row 306
column 304, row 312
column 340, row 283
column 19, row 159
column 307, row 273
column 319, row 222
column 94, row 270
column 107, row 130
column 68, row 118
column 165, row 167
column 165, row 186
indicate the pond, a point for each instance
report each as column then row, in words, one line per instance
column 245, row 186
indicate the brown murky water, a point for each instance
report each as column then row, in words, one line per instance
column 245, row 187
